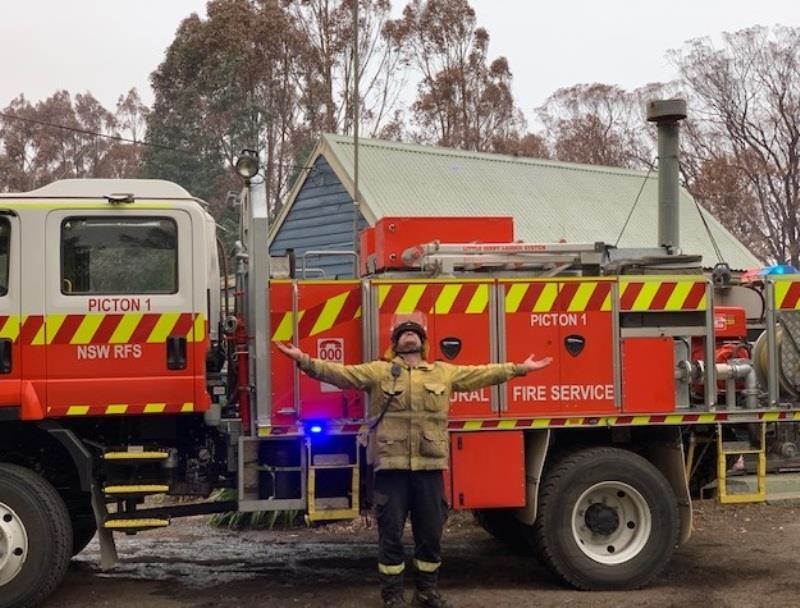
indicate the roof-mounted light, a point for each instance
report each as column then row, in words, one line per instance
column 120, row 198
column 247, row 164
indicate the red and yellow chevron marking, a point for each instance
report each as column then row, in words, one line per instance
column 439, row 298
column 152, row 328
column 343, row 307
column 637, row 295
column 119, row 409
column 571, row 296
column 511, row 424
column 787, row 295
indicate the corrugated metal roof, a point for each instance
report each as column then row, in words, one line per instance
column 549, row 200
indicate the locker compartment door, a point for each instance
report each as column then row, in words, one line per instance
column 329, row 328
column 463, row 317
column 531, row 326
column 459, row 329
column 487, row 469
column 570, row 321
column 120, row 313
column 586, row 354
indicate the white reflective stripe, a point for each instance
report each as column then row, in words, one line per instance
column 426, row 566
column 391, row 568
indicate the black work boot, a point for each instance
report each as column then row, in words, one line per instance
column 430, row 599
column 392, row 590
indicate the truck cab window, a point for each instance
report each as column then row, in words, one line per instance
column 5, row 248
column 102, row 255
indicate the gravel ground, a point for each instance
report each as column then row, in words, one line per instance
column 739, row 556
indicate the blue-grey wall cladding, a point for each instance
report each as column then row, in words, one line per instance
column 321, row 218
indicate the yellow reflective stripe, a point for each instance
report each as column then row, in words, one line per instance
column 392, row 569
column 504, row 425
column 646, row 295
column 581, row 297
column 187, row 407
column 48, row 330
column 10, row 329
column 117, row 408
column 768, row 416
column 446, row 299
column 702, row 304
column 87, row 329
column 673, row 419
column 166, row 321
column 426, row 566
column 329, row 313
column 472, row 425
column 678, row 296
column 285, row 328
column 125, row 328
column 408, row 303
column 383, row 291
column 781, row 289
column 514, row 296
column 606, row 306
column 479, row 300
column 547, row 298
column 77, row 410
column 154, row 408
column 198, row 331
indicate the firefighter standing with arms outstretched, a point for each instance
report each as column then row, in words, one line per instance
column 408, row 445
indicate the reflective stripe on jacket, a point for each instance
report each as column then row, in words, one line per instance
column 413, row 433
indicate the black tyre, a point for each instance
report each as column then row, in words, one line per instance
column 608, row 519
column 507, row 529
column 35, row 538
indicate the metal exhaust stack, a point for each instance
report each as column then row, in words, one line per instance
column 667, row 113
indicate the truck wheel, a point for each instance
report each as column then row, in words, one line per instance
column 507, row 529
column 35, row 538
column 608, row 519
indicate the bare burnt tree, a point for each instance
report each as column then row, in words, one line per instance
column 745, row 135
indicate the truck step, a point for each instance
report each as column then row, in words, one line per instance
column 135, row 525
column 135, row 456
column 135, row 489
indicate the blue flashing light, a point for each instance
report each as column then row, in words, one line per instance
column 315, row 428
column 779, row 269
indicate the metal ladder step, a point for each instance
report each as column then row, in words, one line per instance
column 740, row 448
column 135, row 456
column 135, row 489
column 134, row 524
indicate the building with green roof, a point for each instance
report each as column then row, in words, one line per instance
column 549, row 200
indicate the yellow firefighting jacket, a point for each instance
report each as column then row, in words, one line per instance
column 413, row 433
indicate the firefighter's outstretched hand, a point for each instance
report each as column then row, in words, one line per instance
column 289, row 350
column 531, row 365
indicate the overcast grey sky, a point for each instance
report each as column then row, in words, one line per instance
column 109, row 46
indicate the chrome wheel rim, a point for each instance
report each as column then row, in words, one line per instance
column 13, row 544
column 611, row 522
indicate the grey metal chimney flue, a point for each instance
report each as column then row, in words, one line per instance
column 667, row 113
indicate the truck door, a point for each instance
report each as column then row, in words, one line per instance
column 119, row 312
column 10, row 360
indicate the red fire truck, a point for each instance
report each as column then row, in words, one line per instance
column 130, row 367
